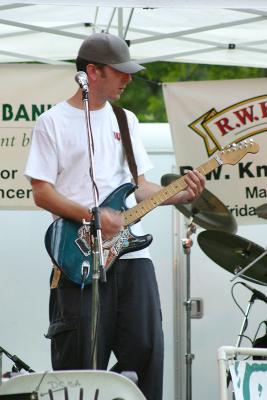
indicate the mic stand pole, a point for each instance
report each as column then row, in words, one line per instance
column 187, row 244
column 95, row 231
column 244, row 324
column 1, row 365
column 241, row 333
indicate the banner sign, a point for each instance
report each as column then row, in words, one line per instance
column 249, row 379
column 27, row 91
column 207, row 116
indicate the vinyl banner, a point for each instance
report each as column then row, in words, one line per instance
column 207, row 116
column 26, row 91
column 249, row 379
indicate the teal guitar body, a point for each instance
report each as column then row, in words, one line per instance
column 69, row 244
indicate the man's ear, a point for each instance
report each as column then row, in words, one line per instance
column 91, row 71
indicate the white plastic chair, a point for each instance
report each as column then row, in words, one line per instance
column 72, row 385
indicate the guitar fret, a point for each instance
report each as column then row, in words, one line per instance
column 202, row 170
column 208, row 166
column 135, row 213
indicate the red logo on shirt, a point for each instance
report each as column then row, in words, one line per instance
column 117, row 135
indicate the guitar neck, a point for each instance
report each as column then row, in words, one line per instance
column 135, row 213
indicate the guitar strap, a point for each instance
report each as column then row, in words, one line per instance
column 126, row 140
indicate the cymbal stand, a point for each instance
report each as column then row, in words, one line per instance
column 241, row 271
column 187, row 244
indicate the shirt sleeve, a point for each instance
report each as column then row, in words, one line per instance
column 142, row 159
column 42, row 161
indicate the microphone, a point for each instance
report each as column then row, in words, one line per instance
column 82, row 80
column 256, row 292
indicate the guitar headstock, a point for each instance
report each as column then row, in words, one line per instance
column 233, row 153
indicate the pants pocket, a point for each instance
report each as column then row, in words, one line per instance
column 64, row 344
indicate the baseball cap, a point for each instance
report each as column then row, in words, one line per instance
column 108, row 49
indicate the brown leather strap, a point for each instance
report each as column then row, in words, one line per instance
column 55, row 277
column 126, row 140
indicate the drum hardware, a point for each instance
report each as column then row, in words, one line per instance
column 235, row 254
column 261, row 211
column 208, row 212
column 189, row 357
column 219, row 242
column 239, row 271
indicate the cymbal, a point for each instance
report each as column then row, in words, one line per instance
column 261, row 211
column 207, row 210
column 233, row 253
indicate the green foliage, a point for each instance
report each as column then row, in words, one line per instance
column 144, row 95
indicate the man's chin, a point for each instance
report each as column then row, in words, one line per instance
column 116, row 97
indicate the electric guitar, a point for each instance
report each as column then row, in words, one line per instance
column 69, row 243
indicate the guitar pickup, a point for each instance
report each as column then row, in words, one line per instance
column 84, row 246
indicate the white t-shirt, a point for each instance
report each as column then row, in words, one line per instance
column 59, row 155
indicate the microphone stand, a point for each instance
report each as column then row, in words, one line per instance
column 187, row 244
column 241, row 333
column 98, row 259
column 244, row 324
column 1, row 365
column 18, row 363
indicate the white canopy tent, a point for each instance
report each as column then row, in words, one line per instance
column 191, row 31
column 226, row 32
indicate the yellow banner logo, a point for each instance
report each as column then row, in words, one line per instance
column 232, row 124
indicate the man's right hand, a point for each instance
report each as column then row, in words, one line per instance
column 111, row 222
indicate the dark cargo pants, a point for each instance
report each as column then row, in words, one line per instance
column 129, row 324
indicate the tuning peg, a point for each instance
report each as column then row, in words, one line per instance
column 243, row 143
column 232, row 147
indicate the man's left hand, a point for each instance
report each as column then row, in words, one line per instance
column 195, row 186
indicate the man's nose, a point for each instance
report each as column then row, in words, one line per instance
column 127, row 77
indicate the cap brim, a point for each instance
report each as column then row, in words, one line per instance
column 129, row 67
